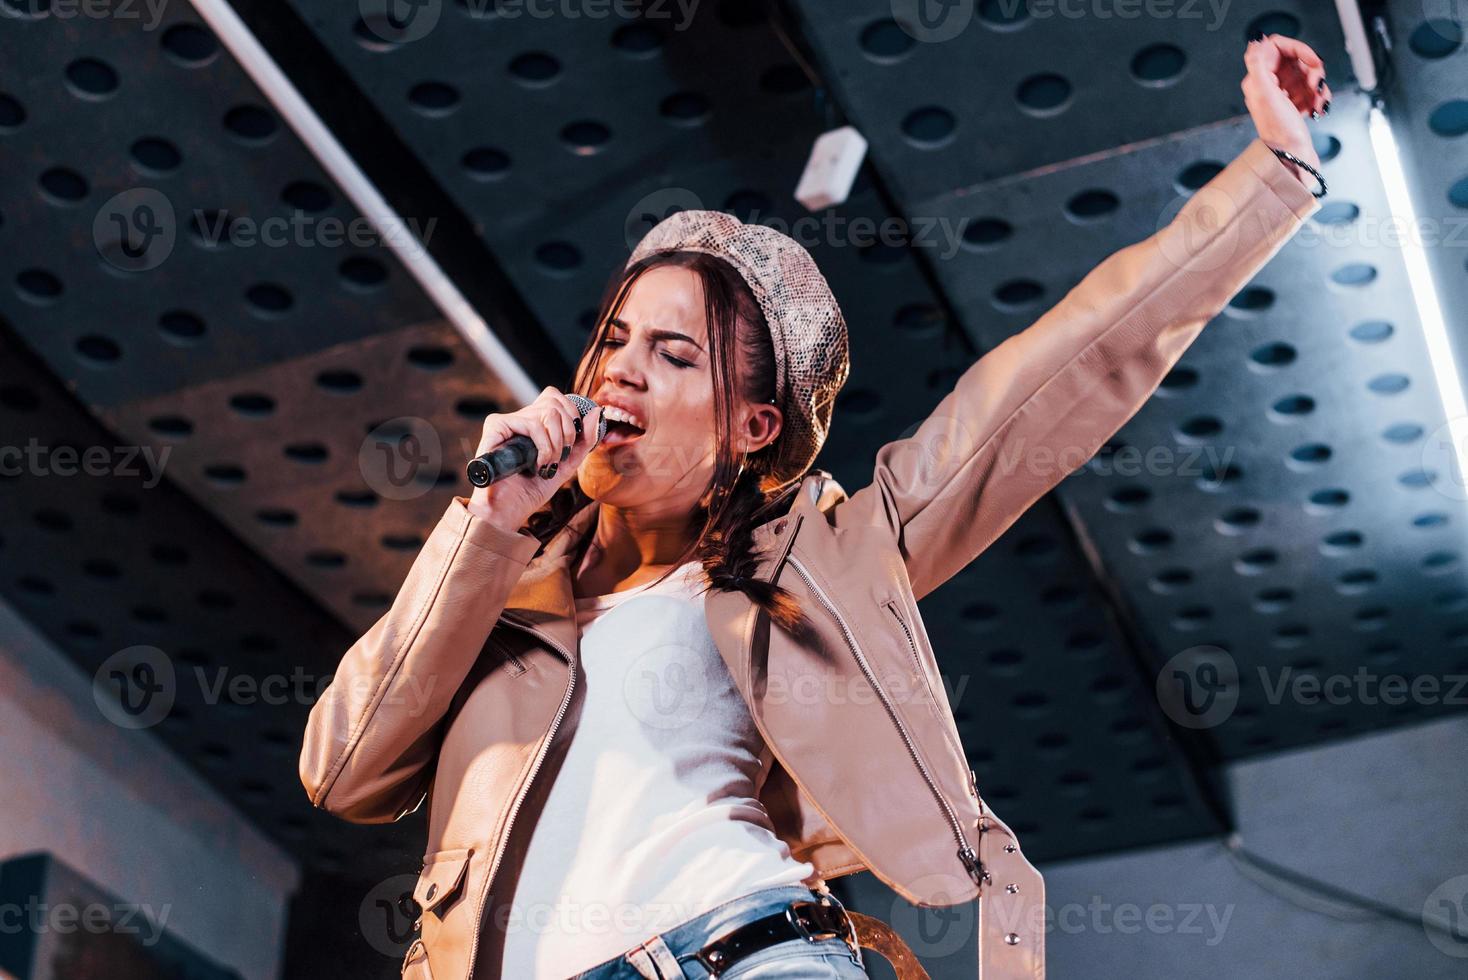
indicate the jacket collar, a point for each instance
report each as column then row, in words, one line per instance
column 544, row 597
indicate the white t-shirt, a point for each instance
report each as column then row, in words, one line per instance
column 652, row 818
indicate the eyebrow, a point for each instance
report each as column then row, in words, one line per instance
column 657, row 334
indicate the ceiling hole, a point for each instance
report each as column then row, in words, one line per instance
column 1128, row 499
column 1436, row 38
column 1151, row 541
column 97, row 350
column 884, row 41
column 585, row 137
column 1202, row 427
column 326, row 559
column 306, row 195
column 1091, row 205
column 1275, row 355
column 1430, row 520
column 339, row 381
column 1276, row 22
column 252, row 404
column 1354, row 274
column 918, row 319
column 433, row 99
column 180, row 326
column 1237, row 520
column 1372, row 331
column 985, row 233
column 1402, row 433
column 1388, row 384
column 189, row 44
column 268, row 299
column 276, row 517
column 1179, row 379
column 535, row 68
column 38, row 286
column 171, row 426
column 1198, row 174
column 929, row 127
column 1337, row 213
column 485, row 163
column 362, row 274
column 1327, row 147
column 685, row 109
column 1018, row 294
column 1449, row 119
column 1004, row 15
column 12, row 114
column 225, row 474
column 250, row 124
column 430, row 358
column 312, row 453
column 1251, row 301
column 91, row 78
column 356, row 498
column 1293, row 405
column 63, row 186
column 1043, row 95
column 1159, row 65
column 156, row 156
column 1331, row 498
column 1311, row 455
column 637, row 40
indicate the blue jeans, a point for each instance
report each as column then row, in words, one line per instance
column 671, row 955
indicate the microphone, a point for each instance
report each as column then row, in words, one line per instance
column 517, row 453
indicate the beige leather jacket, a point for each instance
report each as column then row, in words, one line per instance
column 456, row 692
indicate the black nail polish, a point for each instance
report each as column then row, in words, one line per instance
column 1327, row 107
column 577, row 424
column 1320, row 85
column 1257, row 35
column 1314, row 114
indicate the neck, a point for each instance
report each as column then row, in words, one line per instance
column 628, row 540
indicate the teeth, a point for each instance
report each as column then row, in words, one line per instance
column 613, row 414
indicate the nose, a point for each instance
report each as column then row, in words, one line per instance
column 619, row 368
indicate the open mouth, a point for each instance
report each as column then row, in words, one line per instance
column 620, row 433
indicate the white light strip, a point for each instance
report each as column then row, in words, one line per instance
column 1357, row 45
column 1424, row 292
column 247, row 50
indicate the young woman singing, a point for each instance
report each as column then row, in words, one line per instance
column 659, row 693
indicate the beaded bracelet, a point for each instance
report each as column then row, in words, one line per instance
column 1286, row 155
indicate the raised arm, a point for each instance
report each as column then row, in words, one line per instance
column 372, row 736
column 1044, row 401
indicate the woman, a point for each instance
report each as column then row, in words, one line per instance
column 661, row 692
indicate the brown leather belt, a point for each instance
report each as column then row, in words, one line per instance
column 812, row 921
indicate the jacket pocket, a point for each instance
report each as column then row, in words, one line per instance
column 502, row 650
column 440, row 884
column 415, row 964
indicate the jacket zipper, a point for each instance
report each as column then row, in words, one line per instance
column 535, row 768
column 966, row 853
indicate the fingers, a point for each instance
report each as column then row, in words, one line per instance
column 1278, row 62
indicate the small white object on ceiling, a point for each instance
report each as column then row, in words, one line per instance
column 835, row 158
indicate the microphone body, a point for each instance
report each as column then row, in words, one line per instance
column 517, row 454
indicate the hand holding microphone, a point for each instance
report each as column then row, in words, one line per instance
column 525, row 456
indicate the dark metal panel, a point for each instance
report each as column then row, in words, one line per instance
column 963, row 93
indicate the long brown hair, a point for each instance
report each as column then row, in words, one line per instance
column 735, row 503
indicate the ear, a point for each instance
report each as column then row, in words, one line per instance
column 759, row 425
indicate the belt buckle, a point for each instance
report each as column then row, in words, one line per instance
column 847, row 932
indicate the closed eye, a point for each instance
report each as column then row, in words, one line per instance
column 667, row 357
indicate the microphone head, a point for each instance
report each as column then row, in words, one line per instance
column 586, row 406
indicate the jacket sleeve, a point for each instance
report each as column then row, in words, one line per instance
column 371, row 737
column 1041, row 403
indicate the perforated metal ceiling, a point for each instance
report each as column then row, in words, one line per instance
column 267, row 371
